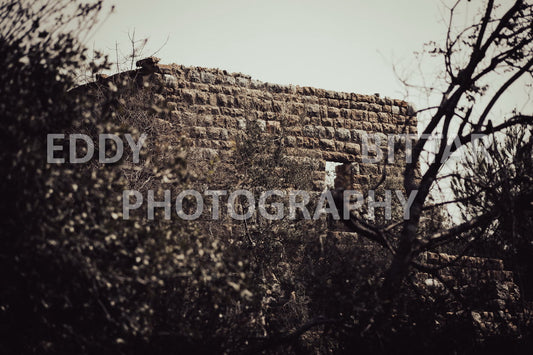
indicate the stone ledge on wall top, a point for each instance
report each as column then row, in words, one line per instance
column 223, row 77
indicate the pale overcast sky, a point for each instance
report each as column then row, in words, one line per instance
column 339, row 45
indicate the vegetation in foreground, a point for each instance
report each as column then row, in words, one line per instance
column 77, row 278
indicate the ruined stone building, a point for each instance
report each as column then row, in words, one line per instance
column 211, row 106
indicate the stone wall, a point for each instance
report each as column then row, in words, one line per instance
column 211, row 107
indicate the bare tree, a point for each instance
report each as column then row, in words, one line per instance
column 498, row 44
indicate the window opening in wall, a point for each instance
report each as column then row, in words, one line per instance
column 338, row 175
column 331, row 174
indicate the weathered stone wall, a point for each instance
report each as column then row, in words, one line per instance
column 211, row 107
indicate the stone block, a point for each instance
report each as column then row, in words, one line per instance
column 352, row 148
column 261, row 124
column 199, row 132
column 243, row 82
column 330, row 132
column 367, row 126
column 310, row 131
column 241, row 123
column 383, row 117
column 203, row 98
column 344, row 104
column 309, row 91
column 327, row 122
column 322, row 133
column 206, row 77
column 344, row 113
column 188, row 96
column 328, row 144
column 222, row 100
column 194, row 76
column 313, row 110
column 290, row 141
column 338, row 122
column 333, row 112
column 337, row 157
column 333, row 103
column 228, row 90
column 228, row 80
column 372, row 117
column 310, row 143
column 298, row 108
column 342, row 134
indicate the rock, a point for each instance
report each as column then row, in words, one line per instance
column 343, row 134
column 147, row 61
column 207, row 78
column 170, row 80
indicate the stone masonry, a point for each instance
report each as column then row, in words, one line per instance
column 211, row 106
